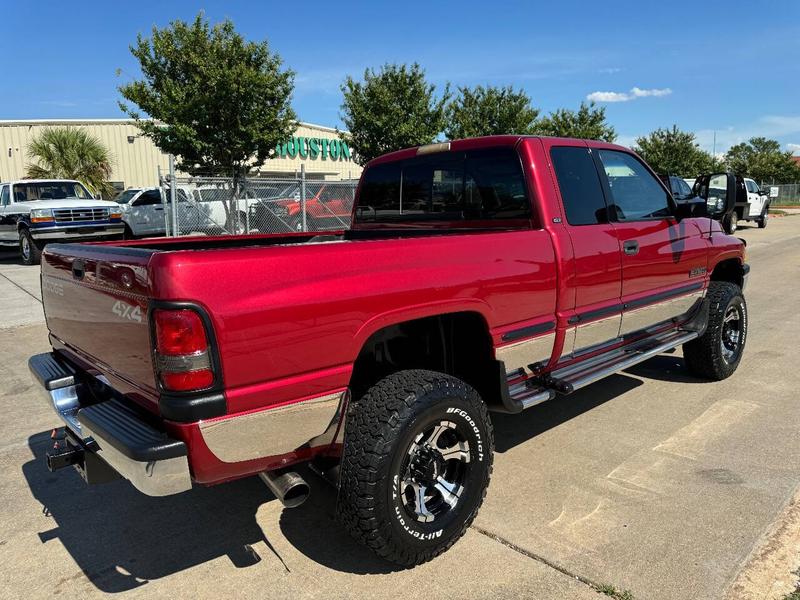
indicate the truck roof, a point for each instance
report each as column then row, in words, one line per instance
column 13, row 181
column 490, row 141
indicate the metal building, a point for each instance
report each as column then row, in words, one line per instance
column 136, row 160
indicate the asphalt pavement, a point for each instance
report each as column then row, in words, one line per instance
column 651, row 481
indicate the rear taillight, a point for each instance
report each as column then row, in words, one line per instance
column 183, row 353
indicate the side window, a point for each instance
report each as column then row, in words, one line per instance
column 149, row 197
column 635, row 193
column 680, row 187
column 182, row 197
column 751, row 186
column 580, row 186
column 4, row 196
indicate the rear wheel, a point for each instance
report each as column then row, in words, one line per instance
column 417, row 462
column 29, row 249
column 717, row 353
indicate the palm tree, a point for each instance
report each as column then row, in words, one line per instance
column 71, row 153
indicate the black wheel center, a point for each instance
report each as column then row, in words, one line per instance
column 426, row 466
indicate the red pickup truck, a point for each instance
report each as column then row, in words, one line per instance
column 479, row 275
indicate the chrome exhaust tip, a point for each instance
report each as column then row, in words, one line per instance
column 291, row 489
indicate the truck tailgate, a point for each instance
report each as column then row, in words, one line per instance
column 95, row 303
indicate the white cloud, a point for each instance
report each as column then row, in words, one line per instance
column 795, row 148
column 609, row 70
column 636, row 92
column 609, row 97
column 655, row 92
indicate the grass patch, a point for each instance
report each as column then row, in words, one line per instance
column 795, row 595
column 777, row 211
column 612, row 592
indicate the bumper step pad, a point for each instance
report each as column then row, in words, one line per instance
column 120, row 426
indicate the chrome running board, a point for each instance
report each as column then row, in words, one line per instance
column 575, row 377
column 525, row 393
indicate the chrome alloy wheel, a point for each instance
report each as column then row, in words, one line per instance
column 434, row 472
column 731, row 341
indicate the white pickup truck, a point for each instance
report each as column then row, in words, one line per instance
column 34, row 212
column 752, row 203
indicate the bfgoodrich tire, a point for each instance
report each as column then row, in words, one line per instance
column 417, row 461
column 718, row 352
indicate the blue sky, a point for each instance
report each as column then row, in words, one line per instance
column 730, row 67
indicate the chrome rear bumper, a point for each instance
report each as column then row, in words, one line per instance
column 154, row 463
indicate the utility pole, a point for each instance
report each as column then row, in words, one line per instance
column 714, row 151
column 172, row 196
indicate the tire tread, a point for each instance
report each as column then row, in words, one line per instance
column 374, row 424
column 703, row 356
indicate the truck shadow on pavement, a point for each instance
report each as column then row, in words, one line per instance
column 512, row 430
column 121, row 539
column 10, row 257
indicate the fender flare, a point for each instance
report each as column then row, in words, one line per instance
column 419, row 311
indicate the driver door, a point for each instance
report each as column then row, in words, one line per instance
column 664, row 261
column 755, row 198
column 147, row 213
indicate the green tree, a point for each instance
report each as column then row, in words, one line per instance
column 489, row 111
column 390, row 109
column 217, row 102
column 763, row 160
column 71, row 153
column 588, row 123
column 675, row 152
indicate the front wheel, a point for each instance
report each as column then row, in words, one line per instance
column 717, row 353
column 29, row 250
column 417, row 461
column 762, row 221
column 729, row 223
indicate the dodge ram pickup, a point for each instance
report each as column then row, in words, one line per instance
column 489, row 274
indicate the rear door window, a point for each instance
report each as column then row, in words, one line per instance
column 4, row 196
column 579, row 183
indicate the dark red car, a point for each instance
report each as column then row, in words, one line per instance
column 479, row 275
column 329, row 205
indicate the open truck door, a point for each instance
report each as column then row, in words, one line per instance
column 716, row 199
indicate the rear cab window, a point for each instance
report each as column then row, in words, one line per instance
column 472, row 187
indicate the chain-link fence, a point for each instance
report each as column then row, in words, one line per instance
column 785, row 194
column 218, row 206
